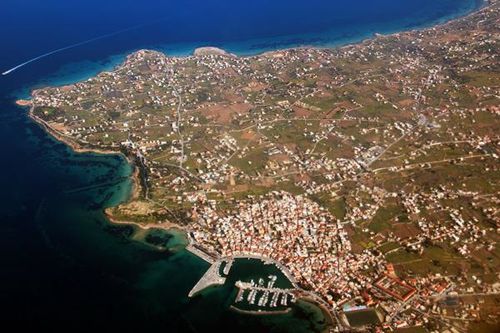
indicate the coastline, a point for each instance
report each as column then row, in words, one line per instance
column 327, row 314
column 149, row 226
column 136, row 188
column 200, row 51
column 134, row 193
column 63, row 138
column 136, row 184
column 483, row 5
column 189, row 51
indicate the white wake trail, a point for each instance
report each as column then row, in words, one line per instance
column 7, row 72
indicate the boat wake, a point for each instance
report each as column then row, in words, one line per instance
column 7, row 72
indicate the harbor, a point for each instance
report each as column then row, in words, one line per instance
column 220, row 269
column 259, row 291
column 255, row 296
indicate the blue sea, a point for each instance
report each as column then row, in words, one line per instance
column 63, row 265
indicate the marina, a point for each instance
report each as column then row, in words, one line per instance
column 269, row 294
column 264, row 295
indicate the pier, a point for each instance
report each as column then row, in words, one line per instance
column 227, row 267
column 210, row 278
column 201, row 254
column 266, row 296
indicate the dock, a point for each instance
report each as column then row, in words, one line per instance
column 227, row 267
column 210, row 278
column 201, row 254
column 266, row 296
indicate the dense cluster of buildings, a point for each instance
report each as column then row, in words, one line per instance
column 295, row 232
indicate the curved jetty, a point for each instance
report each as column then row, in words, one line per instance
column 210, row 278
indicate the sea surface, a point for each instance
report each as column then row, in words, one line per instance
column 62, row 264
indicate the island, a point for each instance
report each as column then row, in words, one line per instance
column 368, row 173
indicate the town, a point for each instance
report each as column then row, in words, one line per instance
column 370, row 172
